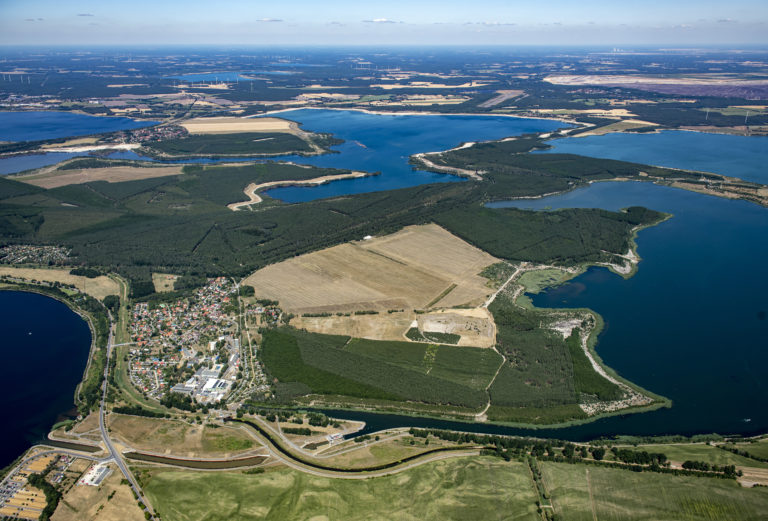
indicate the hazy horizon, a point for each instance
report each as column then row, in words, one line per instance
column 396, row 23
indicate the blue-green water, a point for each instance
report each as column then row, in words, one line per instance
column 35, row 126
column 737, row 156
column 384, row 143
column 691, row 325
column 44, row 348
column 374, row 143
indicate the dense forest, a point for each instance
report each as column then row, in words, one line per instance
column 180, row 224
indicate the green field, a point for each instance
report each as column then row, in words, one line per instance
column 471, row 367
column 542, row 381
column 702, row 452
column 214, row 441
column 324, row 364
column 478, row 489
column 619, row 495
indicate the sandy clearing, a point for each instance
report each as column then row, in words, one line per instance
column 427, row 85
column 113, row 174
column 232, row 125
column 95, row 148
column 384, row 326
column 72, row 142
column 98, row 287
column 164, row 282
column 753, row 476
column 606, row 113
column 84, row 503
column 422, row 156
column 620, row 79
column 475, row 326
column 251, row 191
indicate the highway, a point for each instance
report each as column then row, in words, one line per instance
column 114, row 454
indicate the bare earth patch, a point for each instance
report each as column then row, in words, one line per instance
column 475, row 326
column 620, row 79
column 386, row 326
column 164, row 282
column 111, row 501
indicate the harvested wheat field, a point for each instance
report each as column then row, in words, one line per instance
column 112, row 174
column 230, row 125
column 98, row 287
column 415, row 268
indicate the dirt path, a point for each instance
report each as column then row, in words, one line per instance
column 362, row 474
column 522, row 267
column 254, row 198
column 447, row 169
column 481, row 417
column 591, row 497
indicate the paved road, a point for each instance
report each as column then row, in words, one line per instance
column 295, row 463
column 114, row 454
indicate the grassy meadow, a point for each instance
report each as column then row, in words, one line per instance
column 586, row 493
column 478, row 489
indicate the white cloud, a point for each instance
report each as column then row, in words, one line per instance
column 381, row 21
column 270, row 20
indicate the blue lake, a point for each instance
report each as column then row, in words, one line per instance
column 35, row 126
column 737, row 156
column 691, row 325
column 384, row 143
column 45, row 348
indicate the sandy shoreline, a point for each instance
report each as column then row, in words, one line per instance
column 253, row 198
column 94, row 148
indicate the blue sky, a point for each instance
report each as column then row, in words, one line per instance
column 345, row 22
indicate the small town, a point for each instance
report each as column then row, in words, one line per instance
column 191, row 346
column 187, row 346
